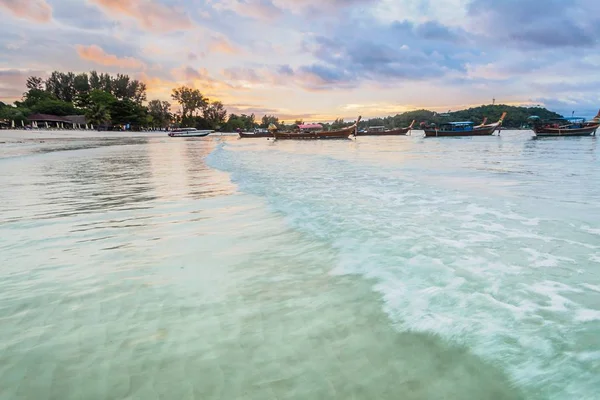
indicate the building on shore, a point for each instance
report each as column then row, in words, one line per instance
column 54, row 121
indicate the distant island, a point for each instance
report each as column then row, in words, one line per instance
column 516, row 117
column 71, row 101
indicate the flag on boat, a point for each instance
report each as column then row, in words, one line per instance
column 23, row 123
column 12, row 124
column 46, row 125
column 92, row 126
column 86, row 127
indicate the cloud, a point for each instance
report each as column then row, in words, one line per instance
column 97, row 55
column 368, row 50
column 150, row 15
column 201, row 79
column 269, row 10
column 242, row 74
column 12, row 82
column 223, row 45
column 531, row 24
column 33, row 10
column 257, row 9
column 79, row 14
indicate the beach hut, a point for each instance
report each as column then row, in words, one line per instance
column 46, row 119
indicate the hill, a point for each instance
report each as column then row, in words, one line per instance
column 516, row 117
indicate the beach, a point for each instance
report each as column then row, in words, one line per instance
column 140, row 266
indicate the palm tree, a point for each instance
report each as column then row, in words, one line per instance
column 97, row 114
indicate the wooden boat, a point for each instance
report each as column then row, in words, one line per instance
column 256, row 134
column 466, row 128
column 381, row 131
column 189, row 132
column 338, row 134
column 574, row 126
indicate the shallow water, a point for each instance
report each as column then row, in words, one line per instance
column 395, row 267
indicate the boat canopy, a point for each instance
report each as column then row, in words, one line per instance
column 461, row 123
column 310, row 126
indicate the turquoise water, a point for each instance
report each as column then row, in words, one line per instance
column 380, row 268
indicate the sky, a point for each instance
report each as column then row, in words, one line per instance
column 317, row 60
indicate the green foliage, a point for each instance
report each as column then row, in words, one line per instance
column 123, row 112
column 339, row 124
column 55, row 107
column 191, row 101
column 269, row 119
column 159, row 113
column 516, row 117
column 35, row 82
column 33, row 97
column 215, row 114
column 97, row 114
column 243, row 122
column 16, row 114
column 101, row 97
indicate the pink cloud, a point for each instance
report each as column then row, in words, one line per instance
column 97, row 55
column 34, row 10
column 222, row 45
column 150, row 15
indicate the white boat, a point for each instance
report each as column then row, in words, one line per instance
column 189, row 132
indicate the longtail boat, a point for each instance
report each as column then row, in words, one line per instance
column 466, row 128
column 574, row 126
column 380, row 131
column 255, row 134
column 337, row 134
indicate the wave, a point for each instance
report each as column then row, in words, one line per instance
column 476, row 270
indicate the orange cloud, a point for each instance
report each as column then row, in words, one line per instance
column 97, row 55
column 150, row 15
column 34, row 10
column 222, row 45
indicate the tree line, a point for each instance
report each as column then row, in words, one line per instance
column 119, row 100
column 112, row 101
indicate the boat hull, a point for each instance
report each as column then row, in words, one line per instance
column 391, row 132
column 556, row 132
column 339, row 134
column 312, row 136
column 190, row 134
column 484, row 131
column 255, row 135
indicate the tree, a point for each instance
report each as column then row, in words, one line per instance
column 95, row 81
column 339, row 124
column 269, row 119
column 61, row 85
column 215, row 114
column 124, row 112
column 160, row 112
column 234, row 123
column 81, row 85
column 54, row 107
column 35, row 82
column 97, row 114
column 101, row 97
column 191, row 100
column 33, row 97
column 120, row 87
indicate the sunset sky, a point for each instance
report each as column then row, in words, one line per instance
column 318, row 59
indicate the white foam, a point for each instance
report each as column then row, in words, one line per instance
column 587, row 315
column 588, row 229
column 595, row 288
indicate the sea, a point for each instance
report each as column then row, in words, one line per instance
column 137, row 266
